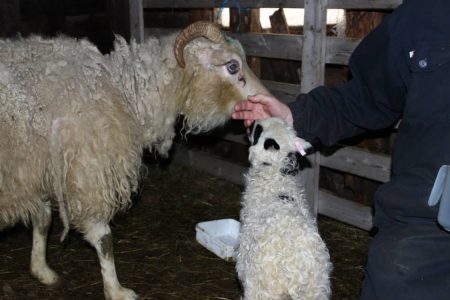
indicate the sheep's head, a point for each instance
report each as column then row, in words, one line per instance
column 216, row 75
column 274, row 144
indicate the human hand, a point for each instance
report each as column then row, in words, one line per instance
column 261, row 107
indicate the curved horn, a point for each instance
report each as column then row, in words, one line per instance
column 205, row 29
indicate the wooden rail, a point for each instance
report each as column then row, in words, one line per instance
column 283, row 46
column 343, row 4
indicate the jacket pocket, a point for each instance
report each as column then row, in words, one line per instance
column 428, row 95
column 429, row 57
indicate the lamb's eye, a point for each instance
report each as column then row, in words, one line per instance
column 233, row 66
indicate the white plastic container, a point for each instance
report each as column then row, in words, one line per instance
column 220, row 237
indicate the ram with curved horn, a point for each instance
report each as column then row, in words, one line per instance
column 74, row 124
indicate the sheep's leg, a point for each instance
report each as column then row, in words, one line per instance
column 39, row 268
column 99, row 235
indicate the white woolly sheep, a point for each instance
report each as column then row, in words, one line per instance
column 74, row 123
column 281, row 254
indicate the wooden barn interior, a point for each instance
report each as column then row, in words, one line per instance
column 156, row 251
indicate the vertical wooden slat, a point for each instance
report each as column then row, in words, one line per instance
column 312, row 75
column 136, row 10
column 247, row 21
column 314, row 44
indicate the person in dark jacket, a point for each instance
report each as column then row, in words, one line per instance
column 400, row 71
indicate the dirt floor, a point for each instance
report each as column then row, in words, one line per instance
column 155, row 248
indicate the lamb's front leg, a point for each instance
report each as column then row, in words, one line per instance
column 99, row 235
column 41, row 223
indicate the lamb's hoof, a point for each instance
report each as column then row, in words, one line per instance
column 46, row 276
column 121, row 294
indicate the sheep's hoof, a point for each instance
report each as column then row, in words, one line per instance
column 121, row 294
column 46, row 276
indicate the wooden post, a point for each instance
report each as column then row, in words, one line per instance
column 136, row 20
column 312, row 75
column 247, row 21
column 314, row 45
column 278, row 22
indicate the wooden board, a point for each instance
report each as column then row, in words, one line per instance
column 209, row 163
column 345, row 210
column 283, row 46
column 329, row 205
column 356, row 4
column 289, row 46
column 136, row 13
column 359, row 162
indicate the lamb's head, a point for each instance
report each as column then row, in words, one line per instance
column 274, row 144
column 216, row 75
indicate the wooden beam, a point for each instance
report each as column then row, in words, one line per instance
column 313, row 75
column 314, row 45
column 209, row 163
column 329, row 205
column 345, row 210
column 287, row 46
column 285, row 92
column 343, row 4
column 271, row 45
column 136, row 20
column 338, row 50
column 359, row 162
column 283, row 46
column 278, row 22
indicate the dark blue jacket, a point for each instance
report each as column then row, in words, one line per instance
column 401, row 70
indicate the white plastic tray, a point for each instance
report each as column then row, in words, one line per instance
column 220, row 237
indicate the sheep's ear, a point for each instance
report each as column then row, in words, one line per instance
column 290, row 164
column 256, row 134
column 271, row 144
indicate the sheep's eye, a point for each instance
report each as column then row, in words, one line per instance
column 233, row 66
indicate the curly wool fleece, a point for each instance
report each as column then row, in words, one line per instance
column 281, row 254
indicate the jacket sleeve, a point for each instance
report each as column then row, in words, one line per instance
column 372, row 99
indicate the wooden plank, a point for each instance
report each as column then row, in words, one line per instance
column 136, row 20
column 344, row 4
column 312, row 75
column 329, row 205
column 282, row 46
column 209, row 163
column 359, row 162
column 314, row 45
column 364, row 4
column 271, row 45
column 350, row 160
column 285, row 92
column 288, row 46
column 338, row 50
column 345, row 210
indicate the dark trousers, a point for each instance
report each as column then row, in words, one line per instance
column 408, row 262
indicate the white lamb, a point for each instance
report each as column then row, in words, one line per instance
column 281, row 254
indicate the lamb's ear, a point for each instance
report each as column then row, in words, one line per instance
column 290, row 164
column 256, row 134
column 271, row 144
